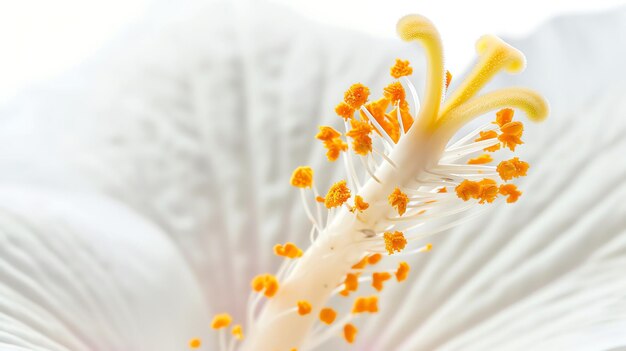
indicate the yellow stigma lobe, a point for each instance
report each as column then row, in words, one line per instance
column 337, row 195
column 398, row 200
column 302, row 177
column 394, row 242
column 220, row 321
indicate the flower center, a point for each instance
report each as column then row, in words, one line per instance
column 413, row 184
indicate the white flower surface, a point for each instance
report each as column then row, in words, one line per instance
column 141, row 192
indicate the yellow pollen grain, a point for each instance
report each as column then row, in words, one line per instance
column 401, row 68
column 304, row 308
column 378, row 278
column 510, row 190
column 504, row 116
column 349, row 333
column 221, row 320
column 356, row 95
column 344, row 111
column 398, row 200
column 394, row 242
column 512, row 168
column 266, row 282
column 237, row 332
column 328, row 315
column 195, row 343
column 289, row 250
column 365, row 305
column 337, row 195
column 480, row 160
column 359, row 204
column 403, row 271
column 394, row 92
column 302, row 177
column 374, row 258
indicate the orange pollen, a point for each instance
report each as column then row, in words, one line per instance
column 510, row 190
column 328, row 315
column 302, row 177
column 344, row 111
column 361, row 264
column 360, row 133
column 359, row 204
column 337, row 195
column 237, row 332
column 289, row 250
column 373, row 259
column 220, row 321
column 403, row 271
column 490, row 134
column 504, row 116
column 319, row 199
column 378, row 279
column 365, row 304
column 327, row 133
column 468, row 190
column 195, row 343
column 394, row 92
column 512, row 168
column 448, row 78
column 394, row 242
column 351, row 283
column 488, row 190
column 480, row 160
column 398, row 200
column 401, row 69
column 304, row 308
column 442, row 190
column 266, row 282
column 349, row 332
column 513, row 128
column 356, row 95
column 334, row 147
column 510, row 141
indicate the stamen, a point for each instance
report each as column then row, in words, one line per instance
column 510, row 190
column 344, row 111
column 220, row 321
column 401, row 68
column 398, row 200
column 289, row 250
column 403, row 271
column 328, row 315
column 378, row 278
column 337, row 195
column 302, row 177
column 195, row 343
column 304, row 308
column 394, row 242
column 365, row 305
column 349, row 333
column 480, row 160
column 356, row 95
column 512, row 168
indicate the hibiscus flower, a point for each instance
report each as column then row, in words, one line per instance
column 141, row 196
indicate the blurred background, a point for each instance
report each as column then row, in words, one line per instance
column 41, row 39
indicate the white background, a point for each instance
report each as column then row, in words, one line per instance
column 41, row 38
